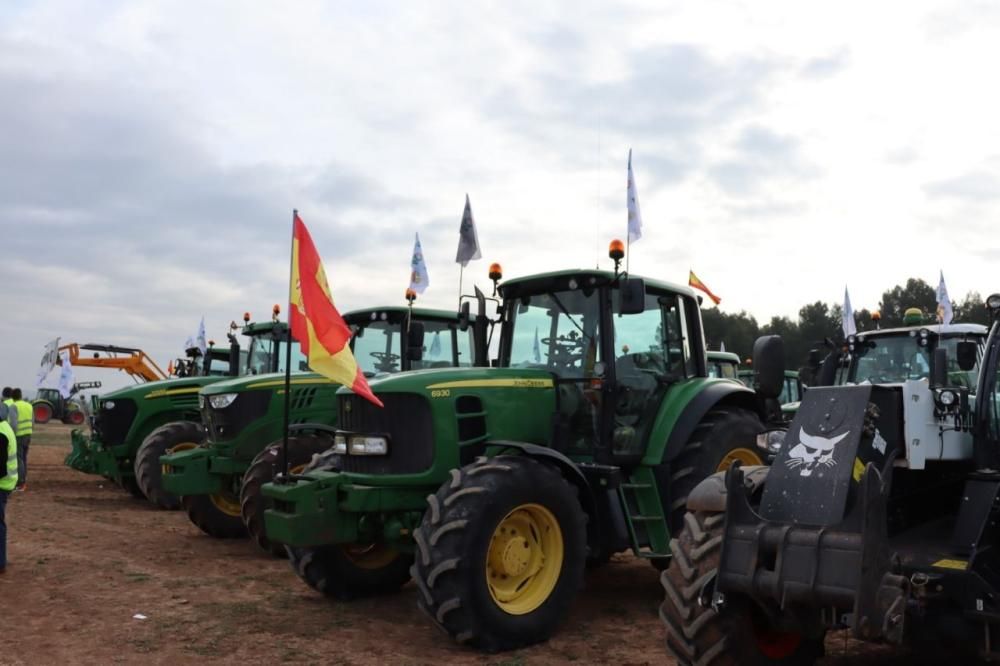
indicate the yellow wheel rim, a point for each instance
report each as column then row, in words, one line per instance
column 226, row 503
column 524, row 559
column 184, row 446
column 745, row 456
column 372, row 556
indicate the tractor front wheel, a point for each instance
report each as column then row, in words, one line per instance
column 500, row 553
column 351, row 571
column 75, row 417
column 736, row 636
column 216, row 515
column 42, row 412
column 262, row 470
column 169, row 438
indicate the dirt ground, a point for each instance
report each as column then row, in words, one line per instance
column 86, row 558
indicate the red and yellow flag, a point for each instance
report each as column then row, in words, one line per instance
column 322, row 333
column 694, row 282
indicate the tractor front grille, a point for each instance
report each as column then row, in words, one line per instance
column 406, row 419
column 226, row 424
column 112, row 425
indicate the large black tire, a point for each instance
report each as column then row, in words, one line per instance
column 149, row 471
column 351, row 571
column 129, row 483
column 263, row 470
column 216, row 515
column 463, row 531
column 724, row 433
column 699, row 635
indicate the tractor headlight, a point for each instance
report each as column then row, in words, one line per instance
column 109, row 404
column 340, row 444
column 771, row 441
column 368, row 445
column 222, row 400
column 947, row 397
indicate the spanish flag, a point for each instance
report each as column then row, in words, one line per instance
column 694, row 282
column 322, row 333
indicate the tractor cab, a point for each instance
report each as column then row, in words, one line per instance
column 611, row 353
column 724, row 365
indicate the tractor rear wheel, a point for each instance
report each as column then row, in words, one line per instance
column 216, row 515
column 698, row 634
column 129, row 484
column 42, row 412
column 500, row 553
column 262, row 470
column 168, row 438
column 351, row 571
column 724, row 435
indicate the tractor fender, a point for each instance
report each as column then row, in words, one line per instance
column 717, row 393
column 563, row 464
column 710, row 494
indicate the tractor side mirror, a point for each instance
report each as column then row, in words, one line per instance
column 631, row 296
column 464, row 317
column 769, row 366
column 939, row 372
column 966, row 353
column 415, row 341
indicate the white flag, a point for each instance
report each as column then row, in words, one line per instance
column 468, row 239
column 66, row 376
column 418, row 269
column 850, row 328
column 435, row 349
column 634, row 217
column 201, row 341
column 722, row 346
column 944, row 311
column 537, row 349
column 49, row 358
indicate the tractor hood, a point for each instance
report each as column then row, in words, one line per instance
column 273, row 381
column 164, row 388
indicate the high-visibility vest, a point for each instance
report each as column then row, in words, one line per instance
column 9, row 480
column 25, row 417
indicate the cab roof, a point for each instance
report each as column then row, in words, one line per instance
column 558, row 279
column 395, row 311
column 938, row 329
column 723, row 356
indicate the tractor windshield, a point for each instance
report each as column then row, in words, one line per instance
column 891, row 359
column 378, row 346
column 267, row 354
column 723, row 369
column 556, row 331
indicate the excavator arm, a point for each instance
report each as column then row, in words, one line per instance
column 133, row 361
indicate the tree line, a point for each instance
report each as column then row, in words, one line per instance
column 819, row 320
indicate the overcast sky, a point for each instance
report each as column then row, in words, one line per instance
column 151, row 152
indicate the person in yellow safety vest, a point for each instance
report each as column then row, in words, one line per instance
column 12, row 413
column 8, row 465
column 23, row 431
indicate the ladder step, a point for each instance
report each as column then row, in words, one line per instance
column 647, row 518
column 636, row 486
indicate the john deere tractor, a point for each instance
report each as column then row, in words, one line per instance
column 218, row 470
column 723, row 364
column 126, row 417
column 879, row 515
column 493, row 487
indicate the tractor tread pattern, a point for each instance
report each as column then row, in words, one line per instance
column 149, row 472
column 301, row 450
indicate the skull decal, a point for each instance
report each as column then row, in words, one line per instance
column 812, row 451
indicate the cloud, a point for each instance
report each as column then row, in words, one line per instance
column 760, row 155
column 826, row 66
column 972, row 187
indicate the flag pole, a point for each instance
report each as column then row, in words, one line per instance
column 461, row 272
column 288, row 354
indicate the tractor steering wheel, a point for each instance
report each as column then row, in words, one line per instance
column 568, row 349
column 385, row 362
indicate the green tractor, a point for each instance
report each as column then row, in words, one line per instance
column 50, row 404
column 723, row 364
column 493, row 487
column 124, row 418
column 879, row 514
column 218, row 470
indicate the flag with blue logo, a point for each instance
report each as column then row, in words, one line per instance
column 418, row 269
column 944, row 309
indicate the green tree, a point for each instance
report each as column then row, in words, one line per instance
column 971, row 310
column 916, row 294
